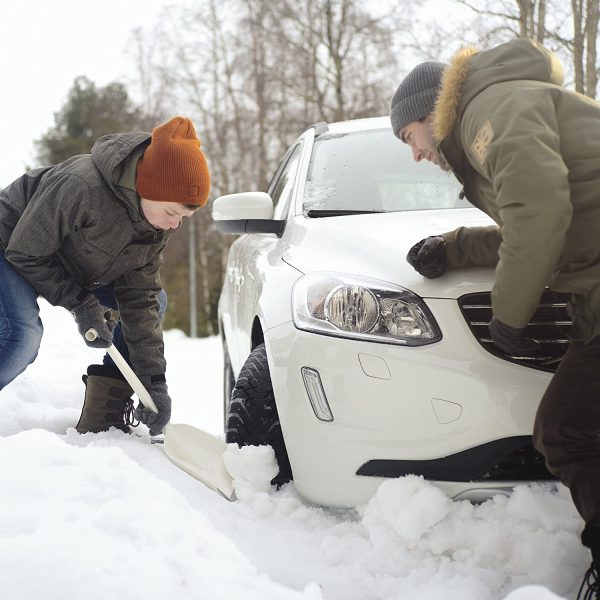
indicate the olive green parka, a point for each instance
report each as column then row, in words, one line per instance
column 527, row 152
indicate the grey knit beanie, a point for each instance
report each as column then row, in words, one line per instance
column 416, row 95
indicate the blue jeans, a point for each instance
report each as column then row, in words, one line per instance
column 20, row 324
column 21, row 327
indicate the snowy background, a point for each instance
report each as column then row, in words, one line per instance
column 108, row 516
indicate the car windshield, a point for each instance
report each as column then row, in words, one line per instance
column 372, row 171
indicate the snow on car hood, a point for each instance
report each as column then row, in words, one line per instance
column 375, row 245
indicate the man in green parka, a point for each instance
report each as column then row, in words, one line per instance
column 527, row 152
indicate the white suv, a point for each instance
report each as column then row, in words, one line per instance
column 347, row 361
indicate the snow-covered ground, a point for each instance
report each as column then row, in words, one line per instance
column 108, row 516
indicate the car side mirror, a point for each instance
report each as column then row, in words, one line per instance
column 246, row 212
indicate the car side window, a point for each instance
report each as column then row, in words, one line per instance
column 282, row 186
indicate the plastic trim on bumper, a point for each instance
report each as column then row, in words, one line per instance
column 469, row 465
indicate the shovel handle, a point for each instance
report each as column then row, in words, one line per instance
column 127, row 371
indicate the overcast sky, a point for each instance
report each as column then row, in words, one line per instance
column 44, row 45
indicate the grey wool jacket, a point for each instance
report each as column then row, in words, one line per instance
column 77, row 226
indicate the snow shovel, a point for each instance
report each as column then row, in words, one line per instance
column 197, row 452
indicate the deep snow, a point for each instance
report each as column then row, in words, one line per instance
column 107, row 515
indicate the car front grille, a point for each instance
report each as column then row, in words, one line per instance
column 549, row 325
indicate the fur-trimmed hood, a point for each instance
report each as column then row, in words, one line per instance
column 471, row 71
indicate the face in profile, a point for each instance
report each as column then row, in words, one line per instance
column 164, row 215
column 419, row 136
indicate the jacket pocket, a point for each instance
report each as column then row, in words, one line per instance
column 84, row 261
column 77, row 244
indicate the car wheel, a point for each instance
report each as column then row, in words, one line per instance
column 252, row 419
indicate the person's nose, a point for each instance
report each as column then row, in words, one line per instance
column 418, row 154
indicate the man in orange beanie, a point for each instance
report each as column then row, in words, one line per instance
column 88, row 234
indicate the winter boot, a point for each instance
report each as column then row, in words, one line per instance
column 590, row 586
column 107, row 401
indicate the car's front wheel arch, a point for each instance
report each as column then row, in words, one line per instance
column 257, row 336
column 228, row 381
column 252, row 417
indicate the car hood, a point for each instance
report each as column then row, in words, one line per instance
column 375, row 246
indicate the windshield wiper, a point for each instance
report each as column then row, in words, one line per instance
column 339, row 213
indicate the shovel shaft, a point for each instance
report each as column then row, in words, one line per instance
column 127, row 371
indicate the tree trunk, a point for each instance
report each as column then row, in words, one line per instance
column 591, row 35
column 578, row 43
column 541, row 22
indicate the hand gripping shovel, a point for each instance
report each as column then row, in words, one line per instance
column 195, row 451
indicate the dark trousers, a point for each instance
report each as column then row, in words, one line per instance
column 567, row 427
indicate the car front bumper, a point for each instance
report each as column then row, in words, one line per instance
column 392, row 403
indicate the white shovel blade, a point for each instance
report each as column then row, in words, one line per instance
column 201, row 455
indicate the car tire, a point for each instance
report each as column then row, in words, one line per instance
column 252, row 418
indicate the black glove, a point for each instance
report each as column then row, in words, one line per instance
column 512, row 341
column 90, row 314
column 428, row 257
column 156, row 421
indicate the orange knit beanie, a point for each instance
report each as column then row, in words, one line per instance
column 173, row 168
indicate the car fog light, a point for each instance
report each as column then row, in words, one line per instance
column 352, row 308
column 316, row 394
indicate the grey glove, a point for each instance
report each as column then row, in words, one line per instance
column 428, row 257
column 513, row 341
column 156, row 421
column 90, row 314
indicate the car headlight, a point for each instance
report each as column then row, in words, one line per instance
column 361, row 308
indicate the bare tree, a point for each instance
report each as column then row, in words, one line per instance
column 572, row 31
column 591, row 32
column 152, row 84
column 341, row 57
column 256, row 42
column 583, row 45
column 532, row 18
column 520, row 18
